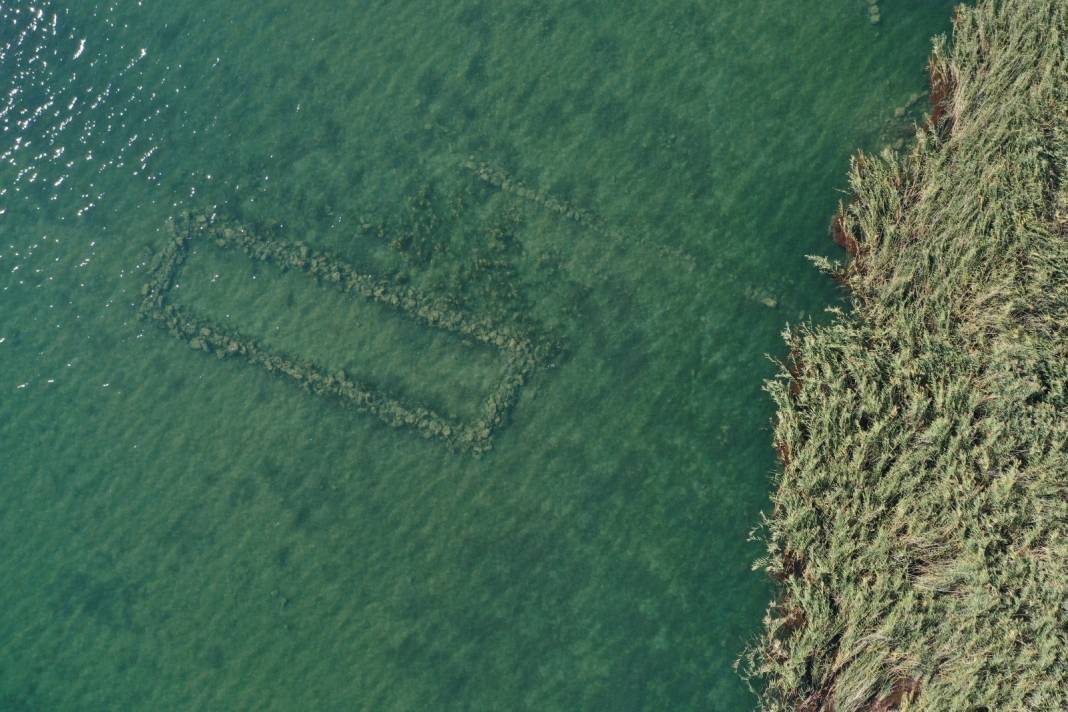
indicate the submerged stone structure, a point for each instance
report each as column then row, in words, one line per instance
column 523, row 351
column 920, row 524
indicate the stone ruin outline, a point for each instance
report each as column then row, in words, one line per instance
column 524, row 352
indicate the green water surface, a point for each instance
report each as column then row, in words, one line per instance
column 181, row 532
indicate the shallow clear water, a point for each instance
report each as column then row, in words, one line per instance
column 184, row 532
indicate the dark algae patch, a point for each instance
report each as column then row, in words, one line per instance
column 920, row 525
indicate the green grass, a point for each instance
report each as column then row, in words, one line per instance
column 920, row 527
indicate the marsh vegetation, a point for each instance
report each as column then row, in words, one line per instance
column 920, row 527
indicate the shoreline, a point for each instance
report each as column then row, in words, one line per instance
column 918, row 533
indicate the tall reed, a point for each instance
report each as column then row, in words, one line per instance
column 920, row 522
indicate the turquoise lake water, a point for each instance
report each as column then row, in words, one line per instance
column 637, row 182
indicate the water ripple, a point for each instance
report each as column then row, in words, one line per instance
column 74, row 106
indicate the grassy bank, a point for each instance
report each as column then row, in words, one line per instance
column 920, row 524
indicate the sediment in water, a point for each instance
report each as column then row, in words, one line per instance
column 920, row 524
